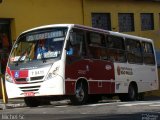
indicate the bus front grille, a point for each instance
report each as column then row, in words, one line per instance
column 36, row 78
column 30, row 88
column 21, row 79
column 30, row 80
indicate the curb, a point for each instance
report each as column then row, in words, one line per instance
column 11, row 106
column 2, row 106
column 12, row 103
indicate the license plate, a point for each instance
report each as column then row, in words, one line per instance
column 29, row 94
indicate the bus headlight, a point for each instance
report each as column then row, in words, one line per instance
column 8, row 78
column 53, row 73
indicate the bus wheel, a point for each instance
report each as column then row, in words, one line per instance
column 81, row 94
column 31, row 101
column 132, row 93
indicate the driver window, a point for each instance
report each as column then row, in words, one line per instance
column 77, row 43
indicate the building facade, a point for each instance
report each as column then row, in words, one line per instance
column 136, row 17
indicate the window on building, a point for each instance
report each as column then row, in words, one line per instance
column 134, row 52
column 147, row 21
column 5, row 43
column 126, row 22
column 101, row 20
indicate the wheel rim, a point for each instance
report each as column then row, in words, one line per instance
column 80, row 93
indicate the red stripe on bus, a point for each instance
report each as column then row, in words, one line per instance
column 91, row 70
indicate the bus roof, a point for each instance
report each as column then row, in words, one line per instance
column 90, row 29
column 130, row 36
column 113, row 33
column 48, row 26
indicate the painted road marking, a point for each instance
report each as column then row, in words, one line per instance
column 141, row 103
column 135, row 104
column 158, row 105
column 120, row 104
column 128, row 104
column 62, row 106
column 101, row 104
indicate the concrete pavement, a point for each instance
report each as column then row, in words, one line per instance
column 16, row 103
column 13, row 103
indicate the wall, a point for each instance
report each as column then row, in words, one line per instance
column 126, row 6
column 26, row 14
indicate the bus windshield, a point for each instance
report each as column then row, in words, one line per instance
column 38, row 45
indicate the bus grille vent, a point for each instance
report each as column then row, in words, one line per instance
column 30, row 88
column 38, row 79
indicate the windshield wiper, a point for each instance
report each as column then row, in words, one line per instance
column 19, row 59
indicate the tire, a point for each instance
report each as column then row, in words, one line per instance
column 132, row 93
column 81, row 95
column 31, row 101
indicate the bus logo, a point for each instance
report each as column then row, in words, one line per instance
column 108, row 67
column 124, row 71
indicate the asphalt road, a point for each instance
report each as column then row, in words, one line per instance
column 105, row 110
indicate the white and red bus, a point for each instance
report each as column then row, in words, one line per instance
column 81, row 63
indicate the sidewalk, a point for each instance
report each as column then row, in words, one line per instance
column 13, row 103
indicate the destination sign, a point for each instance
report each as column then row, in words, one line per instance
column 44, row 35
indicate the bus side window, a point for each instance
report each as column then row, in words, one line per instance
column 96, row 45
column 77, row 44
column 116, row 49
column 134, row 52
column 148, row 54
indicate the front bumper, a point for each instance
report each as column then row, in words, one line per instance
column 54, row 86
